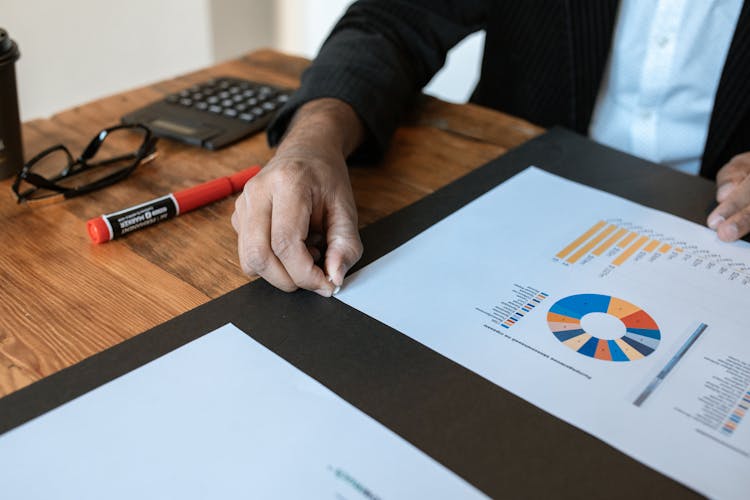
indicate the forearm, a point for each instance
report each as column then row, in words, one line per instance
column 378, row 57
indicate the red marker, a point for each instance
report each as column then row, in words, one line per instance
column 110, row 226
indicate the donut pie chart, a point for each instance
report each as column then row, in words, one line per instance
column 641, row 337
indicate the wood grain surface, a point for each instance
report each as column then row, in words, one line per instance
column 63, row 298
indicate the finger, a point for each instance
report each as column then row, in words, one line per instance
column 732, row 175
column 254, row 244
column 735, row 227
column 730, row 217
column 235, row 215
column 344, row 245
column 290, row 222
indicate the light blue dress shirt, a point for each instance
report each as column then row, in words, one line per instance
column 658, row 90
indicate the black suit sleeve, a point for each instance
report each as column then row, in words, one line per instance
column 377, row 58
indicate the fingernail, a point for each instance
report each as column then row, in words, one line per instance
column 714, row 220
column 335, row 290
column 724, row 191
column 729, row 232
column 337, row 277
column 325, row 292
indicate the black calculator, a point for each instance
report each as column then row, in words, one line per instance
column 213, row 114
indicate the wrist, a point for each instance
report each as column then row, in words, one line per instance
column 325, row 123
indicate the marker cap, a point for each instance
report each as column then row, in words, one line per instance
column 98, row 230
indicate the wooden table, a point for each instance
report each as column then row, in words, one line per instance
column 63, row 298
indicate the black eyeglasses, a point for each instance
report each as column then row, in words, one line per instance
column 109, row 158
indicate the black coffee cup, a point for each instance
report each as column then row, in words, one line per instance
column 11, row 149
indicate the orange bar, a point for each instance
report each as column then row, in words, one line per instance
column 665, row 248
column 591, row 244
column 565, row 251
column 630, row 251
column 626, row 241
column 611, row 241
column 678, row 249
column 651, row 246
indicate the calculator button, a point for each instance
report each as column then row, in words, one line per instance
column 173, row 98
column 230, row 112
column 201, row 105
column 184, row 93
column 214, row 109
column 251, row 102
column 227, row 103
column 247, row 117
column 237, row 98
column 258, row 111
column 249, row 93
column 212, row 100
column 223, row 94
column 281, row 98
column 268, row 106
column 240, row 107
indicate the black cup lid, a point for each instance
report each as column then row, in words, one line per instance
column 8, row 49
column 5, row 42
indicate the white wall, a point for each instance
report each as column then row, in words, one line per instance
column 73, row 51
column 239, row 26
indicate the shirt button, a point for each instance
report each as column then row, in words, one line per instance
column 663, row 41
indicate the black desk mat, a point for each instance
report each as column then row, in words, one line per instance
column 503, row 445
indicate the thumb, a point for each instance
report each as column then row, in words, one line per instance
column 344, row 245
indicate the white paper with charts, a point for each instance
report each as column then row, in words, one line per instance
column 220, row 417
column 629, row 323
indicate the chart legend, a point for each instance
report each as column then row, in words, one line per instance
column 737, row 415
column 509, row 312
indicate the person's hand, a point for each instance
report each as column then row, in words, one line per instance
column 301, row 204
column 731, row 219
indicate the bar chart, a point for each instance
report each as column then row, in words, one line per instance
column 615, row 243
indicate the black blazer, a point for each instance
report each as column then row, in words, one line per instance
column 543, row 60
